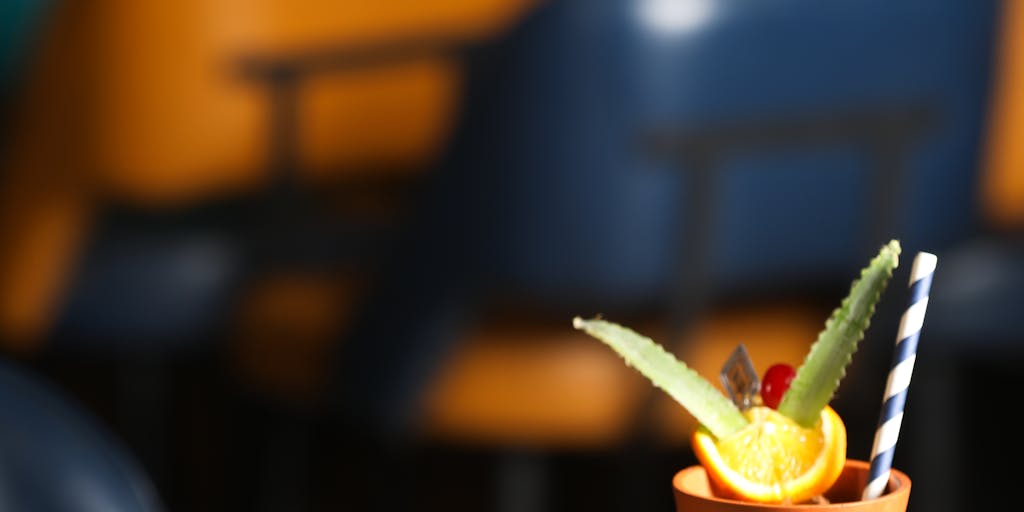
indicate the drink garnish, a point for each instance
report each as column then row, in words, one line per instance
column 818, row 377
column 792, row 454
column 695, row 393
column 739, row 378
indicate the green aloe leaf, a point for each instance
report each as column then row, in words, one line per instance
column 695, row 393
column 818, row 377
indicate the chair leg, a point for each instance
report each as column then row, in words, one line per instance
column 284, row 474
column 636, row 469
column 934, row 436
column 144, row 389
column 522, row 481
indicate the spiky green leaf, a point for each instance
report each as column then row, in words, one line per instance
column 825, row 365
column 695, row 393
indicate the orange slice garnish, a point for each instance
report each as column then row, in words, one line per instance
column 774, row 460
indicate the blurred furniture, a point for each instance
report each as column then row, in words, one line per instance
column 1003, row 183
column 184, row 145
column 286, row 371
column 550, row 203
column 58, row 457
column 820, row 109
column 972, row 336
column 887, row 134
column 155, row 212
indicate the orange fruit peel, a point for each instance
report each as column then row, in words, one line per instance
column 774, row 460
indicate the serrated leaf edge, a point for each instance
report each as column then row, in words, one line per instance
column 696, row 394
column 805, row 399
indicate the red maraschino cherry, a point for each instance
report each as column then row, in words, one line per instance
column 775, row 383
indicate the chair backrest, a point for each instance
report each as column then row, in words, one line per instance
column 589, row 213
column 56, row 456
column 1002, row 192
column 149, row 104
column 180, row 119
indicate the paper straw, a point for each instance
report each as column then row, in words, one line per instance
column 899, row 375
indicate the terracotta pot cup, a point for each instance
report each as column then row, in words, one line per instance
column 693, row 493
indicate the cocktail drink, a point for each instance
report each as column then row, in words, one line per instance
column 693, row 493
column 787, row 446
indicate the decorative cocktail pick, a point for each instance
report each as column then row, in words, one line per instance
column 739, row 378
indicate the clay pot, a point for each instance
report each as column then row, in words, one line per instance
column 693, row 493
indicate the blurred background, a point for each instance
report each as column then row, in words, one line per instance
column 324, row 255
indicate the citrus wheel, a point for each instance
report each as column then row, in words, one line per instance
column 774, row 460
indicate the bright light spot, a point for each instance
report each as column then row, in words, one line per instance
column 673, row 17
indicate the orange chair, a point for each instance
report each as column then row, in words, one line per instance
column 149, row 104
column 152, row 109
column 1002, row 185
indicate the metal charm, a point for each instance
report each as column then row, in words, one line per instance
column 740, row 379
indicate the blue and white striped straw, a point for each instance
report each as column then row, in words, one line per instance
column 899, row 375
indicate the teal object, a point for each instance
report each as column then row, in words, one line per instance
column 20, row 23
